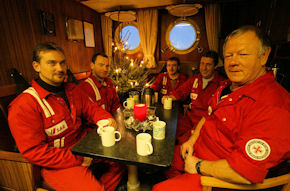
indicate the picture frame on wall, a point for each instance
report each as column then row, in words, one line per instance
column 74, row 29
column 89, row 34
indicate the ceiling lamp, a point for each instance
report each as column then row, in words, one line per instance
column 184, row 10
column 122, row 16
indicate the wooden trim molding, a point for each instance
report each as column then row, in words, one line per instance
column 7, row 90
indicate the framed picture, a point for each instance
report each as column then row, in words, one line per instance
column 74, row 29
column 47, row 23
column 89, row 34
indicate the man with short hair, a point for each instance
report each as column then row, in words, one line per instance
column 168, row 81
column 200, row 88
column 99, row 87
column 46, row 121
column 246, row 131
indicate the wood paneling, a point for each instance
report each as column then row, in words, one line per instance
column 21, row 30
column 17, row 173
column 187, row 60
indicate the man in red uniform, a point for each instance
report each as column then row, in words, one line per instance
column 45, row 121
column 246, row 131
column 99, row 87
column 168, row 81
column 200, row 88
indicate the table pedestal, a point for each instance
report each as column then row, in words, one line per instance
column 133, row 183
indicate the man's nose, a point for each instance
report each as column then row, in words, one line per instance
column 60, row 67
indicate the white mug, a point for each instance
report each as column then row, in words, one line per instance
column 129, row 103
column 101, row 124
column 108, row 136
column 168, row 103
column 159, row 130
column 143, row 144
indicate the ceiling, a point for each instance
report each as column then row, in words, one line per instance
column 102, row 6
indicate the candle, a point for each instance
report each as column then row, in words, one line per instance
column 140, row 111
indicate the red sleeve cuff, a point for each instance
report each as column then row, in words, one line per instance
column 247, row 169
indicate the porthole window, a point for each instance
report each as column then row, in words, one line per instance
column 128, row 35
column 182, row 36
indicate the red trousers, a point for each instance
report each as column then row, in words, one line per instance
column 81, row 178
column 178, row 180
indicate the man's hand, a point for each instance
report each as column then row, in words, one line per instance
column 87, row 161
column 186, row 149
column 112, row 123
column 165, row 97
column 189, row 164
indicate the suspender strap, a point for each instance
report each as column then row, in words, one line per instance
column 47, row 109
column 96, row 90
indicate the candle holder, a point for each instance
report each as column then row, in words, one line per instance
column 140, row 111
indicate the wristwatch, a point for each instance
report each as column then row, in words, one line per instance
column 197, row 167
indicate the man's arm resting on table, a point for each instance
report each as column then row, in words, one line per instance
column 222, row 170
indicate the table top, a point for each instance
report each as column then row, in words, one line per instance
column 125, row 150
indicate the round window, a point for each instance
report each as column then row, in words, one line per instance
column 182, row 36
column 127, row 37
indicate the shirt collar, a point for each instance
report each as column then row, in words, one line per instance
column 43, row 93
column 98, row 83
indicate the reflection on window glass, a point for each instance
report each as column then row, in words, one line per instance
column 182, row 36
column 130, row 36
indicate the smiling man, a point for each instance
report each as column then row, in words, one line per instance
column 46, row 121
column 168, row 81
column 200, row 88
column 246, row 131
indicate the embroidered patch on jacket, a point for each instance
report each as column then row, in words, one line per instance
column 56, row 129
column 257, row 149
column 164, row 91
column 193, row 96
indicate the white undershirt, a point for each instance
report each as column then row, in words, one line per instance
column 205, row 82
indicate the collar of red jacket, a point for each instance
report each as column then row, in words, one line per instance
column 106, row 82
column 44, row 93
column 253, row 89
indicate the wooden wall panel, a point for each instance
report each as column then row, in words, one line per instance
column 21, row 30
column 187, row 60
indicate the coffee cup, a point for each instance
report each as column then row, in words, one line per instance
column 101, row 124
column 159, row 130
column 167, row 103
column 129, row 103
column 143, row 144
column 108, row 136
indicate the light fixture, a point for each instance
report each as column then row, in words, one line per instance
column 184, row 10
column 122, row 16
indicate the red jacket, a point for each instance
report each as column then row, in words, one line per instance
column 44, row 128
column 105, row 94
column 199, row 97
column 162, row 83
column 249, row 128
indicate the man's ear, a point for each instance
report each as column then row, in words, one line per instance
column 265, row 56
column 36, row 66
column 92, row 66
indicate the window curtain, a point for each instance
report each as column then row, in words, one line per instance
column 147, row 20
column 213, row 26
column 106, row 24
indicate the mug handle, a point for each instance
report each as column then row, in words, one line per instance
column 125, row 104
column 99, row 130
column 119, row 138
column 150, row 148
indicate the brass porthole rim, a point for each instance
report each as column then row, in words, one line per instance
column 194, row 44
